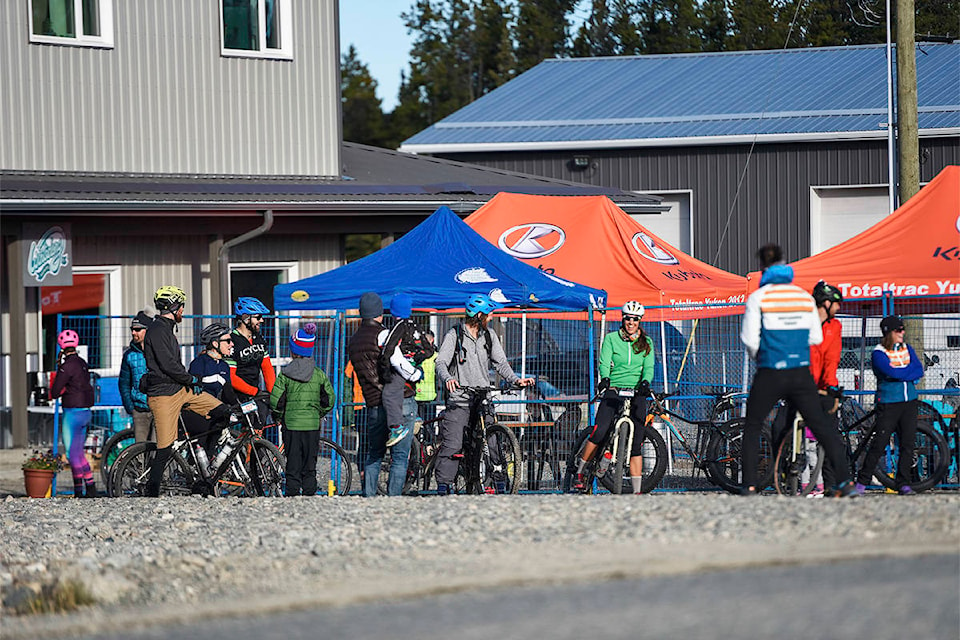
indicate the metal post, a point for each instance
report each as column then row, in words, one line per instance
column 523, row 363
column 56, row 413
column 891, row 140
column 593, row 366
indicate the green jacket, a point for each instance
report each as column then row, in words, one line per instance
column 302, row 395
column 624, row 367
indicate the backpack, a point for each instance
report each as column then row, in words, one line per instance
column 452, row 367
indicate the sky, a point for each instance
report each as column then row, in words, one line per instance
column 376, row 30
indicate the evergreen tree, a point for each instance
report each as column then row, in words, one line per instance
column 541, row 30
column 363, row 119
column 714, row 23
column 595, row 35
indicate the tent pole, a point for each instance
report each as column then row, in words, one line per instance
column 593, row 363
column 523, row 363
column 663, row 353
column 686, row 351
column 863, row 343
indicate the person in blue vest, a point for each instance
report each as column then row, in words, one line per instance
column 897, row 368
column 132, row 367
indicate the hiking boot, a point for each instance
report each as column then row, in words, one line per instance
column 907, row 490
column 397, row 434
column 443, row 489
column 90, row 490
column 847, row 490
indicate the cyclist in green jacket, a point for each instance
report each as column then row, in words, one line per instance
column 301, row 396
column 626, row 361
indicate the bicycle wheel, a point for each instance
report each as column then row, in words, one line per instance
column 410, row 484
column 543, row 464
column 724, row 455
column 931, row 457
column 112, row 448
column 500, row 466
column 334, row 472
column 654, row 451
column 132, row 471
column 266, row 467
column 624, row 426
column 788, row 468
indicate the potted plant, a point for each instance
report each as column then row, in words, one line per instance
column 38, row 472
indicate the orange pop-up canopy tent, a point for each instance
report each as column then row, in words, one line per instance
column 591, row 240
column 915, row 251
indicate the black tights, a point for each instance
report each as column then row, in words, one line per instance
column 797, row 386
column 903, row 417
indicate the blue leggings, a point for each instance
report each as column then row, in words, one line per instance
column 75, row 423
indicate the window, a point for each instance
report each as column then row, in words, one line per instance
column 87, row 23
column 256, row 28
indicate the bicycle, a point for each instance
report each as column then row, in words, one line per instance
column 247, row 465
column 857, row 429
column 490, row 460
column 113, row 446
column 542, row 441
column 612, row 455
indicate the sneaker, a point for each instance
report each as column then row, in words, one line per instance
column 443, row 489
column 501, row 487
column 847, row 490
column 580, row 483
column 817, row 492
column 907, row 490
column 397, row 434
column 861, row 488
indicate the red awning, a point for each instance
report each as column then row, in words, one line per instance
column 86, row 293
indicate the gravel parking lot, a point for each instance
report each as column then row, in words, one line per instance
column 183, row 558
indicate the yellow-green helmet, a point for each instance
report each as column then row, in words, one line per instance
column 169, row 298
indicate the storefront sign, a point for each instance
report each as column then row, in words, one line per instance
column 49, row 259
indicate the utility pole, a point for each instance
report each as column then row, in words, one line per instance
column 907, row 135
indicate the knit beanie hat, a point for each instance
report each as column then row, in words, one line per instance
column 141, row 321
column 401, row 305
column 371, row 305
column 301, row 343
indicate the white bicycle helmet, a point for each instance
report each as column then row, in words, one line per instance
column 633, row 308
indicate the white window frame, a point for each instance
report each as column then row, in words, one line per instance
column 292, row 269
column 285, row 52
column 103, row 41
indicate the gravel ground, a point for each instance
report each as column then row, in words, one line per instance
column 181, row 558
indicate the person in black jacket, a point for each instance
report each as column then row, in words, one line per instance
column 364, row 352
column 169, row 387
column 73, row 383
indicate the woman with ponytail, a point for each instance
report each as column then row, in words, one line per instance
column 626, row 361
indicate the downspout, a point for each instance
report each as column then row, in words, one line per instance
column 223, row 258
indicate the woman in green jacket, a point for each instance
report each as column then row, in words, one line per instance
column 626, row 362
column 301, row 396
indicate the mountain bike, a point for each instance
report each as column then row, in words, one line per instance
column 612, row 456
column 545, row 444
column 111, row 450
column 490, row 460
column 857, row 429
column 245, row 465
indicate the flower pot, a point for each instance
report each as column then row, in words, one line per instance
column 38, row 482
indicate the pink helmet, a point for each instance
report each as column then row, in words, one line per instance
column 68, row 338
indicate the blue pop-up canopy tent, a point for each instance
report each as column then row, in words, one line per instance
column 440, row 263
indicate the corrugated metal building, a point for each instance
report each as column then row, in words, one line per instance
column 154, row 133
column 811, row 121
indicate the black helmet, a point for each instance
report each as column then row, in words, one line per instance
column 823, row 292
column 212, row 333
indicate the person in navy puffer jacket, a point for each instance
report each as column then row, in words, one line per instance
column 897, row 368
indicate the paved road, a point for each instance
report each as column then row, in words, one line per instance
column 882, row 598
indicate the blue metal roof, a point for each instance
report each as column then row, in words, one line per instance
column 624, row 101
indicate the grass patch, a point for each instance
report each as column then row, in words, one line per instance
column 57, row 598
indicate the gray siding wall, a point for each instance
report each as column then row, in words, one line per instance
column 774, row 200
column 164, row 100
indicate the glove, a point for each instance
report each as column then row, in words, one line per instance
column 643, row 388
column 836, row 392
column 417, row 375
column 603, row 385
column 195, row 386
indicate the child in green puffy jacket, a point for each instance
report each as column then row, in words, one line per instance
column 301, row 396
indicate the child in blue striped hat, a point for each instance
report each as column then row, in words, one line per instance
column 301, row 397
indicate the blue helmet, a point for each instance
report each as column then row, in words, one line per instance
column 480, row 303
column 246, row 306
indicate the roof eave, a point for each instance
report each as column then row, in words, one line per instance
column 692, row 141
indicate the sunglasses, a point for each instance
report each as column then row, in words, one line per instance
column 225, row 340
column 631, row 318
column 899, row 329
column 138, row 328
